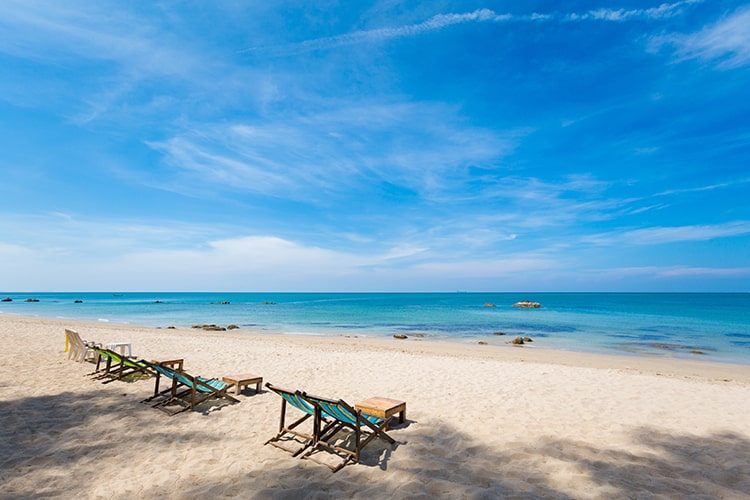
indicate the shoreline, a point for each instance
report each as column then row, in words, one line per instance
column 635, row 363
column 482, row 421
column 556, row 329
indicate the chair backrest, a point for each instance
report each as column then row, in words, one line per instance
column 340, row 410
column 293, row 398
column 164, row 370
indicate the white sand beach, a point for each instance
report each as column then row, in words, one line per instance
column 482, row 421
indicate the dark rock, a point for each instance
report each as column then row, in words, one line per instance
column 527, row 304
column 232, row 327
column 696, row 351
column 78, row 301
column 482, row 342
column 517, row 341
column 528, row 339
column 266, row 302
column 7, row 299
column 171, row 327
column 400, row 336
column 500, row 333
column 222, row 303
column 158, row 302
column 31, row 300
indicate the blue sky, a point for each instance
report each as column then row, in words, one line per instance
column 375, row 146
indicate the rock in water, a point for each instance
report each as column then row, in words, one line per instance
column 527, row 304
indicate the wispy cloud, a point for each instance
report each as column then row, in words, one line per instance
column 441, row 21
column 663, row 11
column 698, row 189
column 336, row 151
column 725, row 43
column 675, row 272
column 661, row 235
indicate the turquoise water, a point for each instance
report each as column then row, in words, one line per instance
column 653, row 324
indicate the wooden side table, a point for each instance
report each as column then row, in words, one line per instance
column 243, row 380
column 384, row 408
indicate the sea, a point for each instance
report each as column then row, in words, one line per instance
column 707, row 326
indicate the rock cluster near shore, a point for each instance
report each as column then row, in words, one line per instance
column 527, row 304
column 215, row 328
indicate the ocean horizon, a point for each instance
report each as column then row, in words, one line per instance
column 708, row 326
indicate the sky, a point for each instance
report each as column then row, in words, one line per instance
column 375, row 146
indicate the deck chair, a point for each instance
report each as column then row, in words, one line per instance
column 289, row 433
column 159, row 369
column 187, row 391
column 117, row 367
column 364, row 429
column 78, row 349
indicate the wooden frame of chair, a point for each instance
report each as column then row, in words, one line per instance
column 365, row 429
column 160, row 369
column 294, row 399
column 121, row 368
column 197, row 390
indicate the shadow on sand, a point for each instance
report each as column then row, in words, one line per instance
column 43, row 436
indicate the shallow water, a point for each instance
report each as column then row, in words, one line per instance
column 713, row 326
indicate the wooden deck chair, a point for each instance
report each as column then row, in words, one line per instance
column 289, row 433
column 364, row 428
column 160, row 370
column 117, row 367
column 188, row 391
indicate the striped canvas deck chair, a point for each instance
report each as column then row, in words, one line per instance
column 363, row 429
column 289, row 433
column 187, row 391
column 114, row 366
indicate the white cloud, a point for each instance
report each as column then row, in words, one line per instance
column 660, row 235
column 311, row 156
column 725, row 43
column 441, row 21
column 664, row 10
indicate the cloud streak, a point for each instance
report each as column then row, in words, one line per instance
column 725, row 43
column 442, row 21
column 676, row 234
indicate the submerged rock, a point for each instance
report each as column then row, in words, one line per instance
column 500, row 333
column 527, row 304
column 31, row 300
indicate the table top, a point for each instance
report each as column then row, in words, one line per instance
column 380, row 403
column 242, row 377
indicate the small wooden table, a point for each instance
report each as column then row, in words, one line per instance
column 383, row 408
column 244, row 380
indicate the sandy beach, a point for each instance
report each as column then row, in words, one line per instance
column 482, row 421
